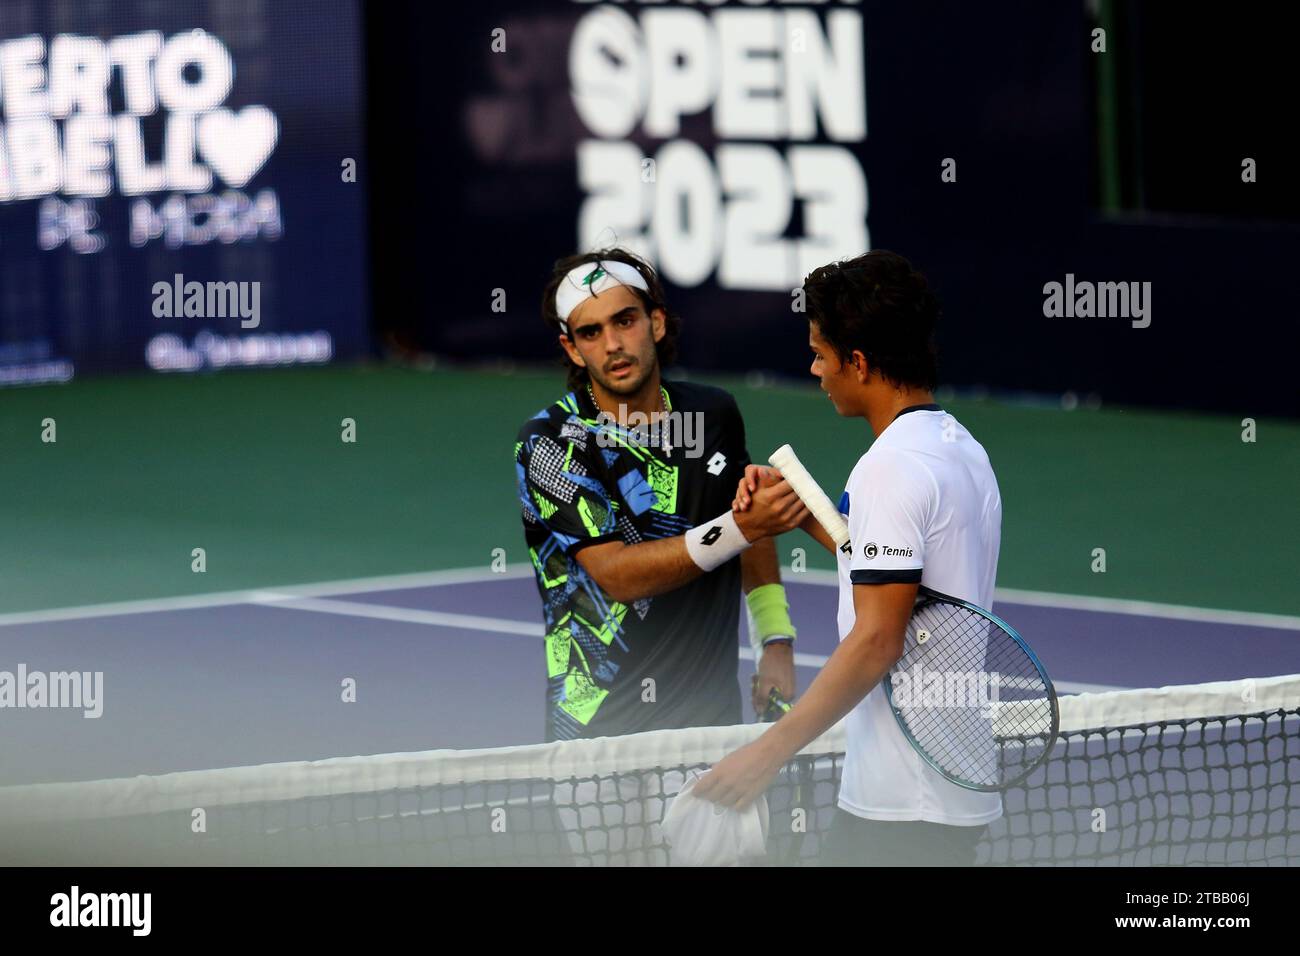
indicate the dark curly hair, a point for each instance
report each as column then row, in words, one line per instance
column 665, row 348
column 879, row 305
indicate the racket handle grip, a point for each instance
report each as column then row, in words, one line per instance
column 777, row 706
column 811, row 494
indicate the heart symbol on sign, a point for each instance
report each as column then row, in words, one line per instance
column 237, row 145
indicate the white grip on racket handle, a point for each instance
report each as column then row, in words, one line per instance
column 811, row 494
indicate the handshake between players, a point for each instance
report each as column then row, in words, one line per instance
column 766, row 503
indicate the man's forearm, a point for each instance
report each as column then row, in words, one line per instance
column 857, row 666
column 629, row 572
column 818, row 533
column 758, row 565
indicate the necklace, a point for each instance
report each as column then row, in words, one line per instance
column 663, row 408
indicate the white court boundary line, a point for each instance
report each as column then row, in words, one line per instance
column 390, row 582
column 1105, row 605
column 394, row 582
column 405, row 615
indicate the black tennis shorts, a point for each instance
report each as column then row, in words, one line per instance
column 853, row 841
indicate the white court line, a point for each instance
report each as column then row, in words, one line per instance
column 405, row 615
column 304, row 598
column 391, row 582
column 420, row 579
column 498, row 625
column 1103, row 605
column 1173, row 612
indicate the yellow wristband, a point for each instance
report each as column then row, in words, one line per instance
column 769, row 614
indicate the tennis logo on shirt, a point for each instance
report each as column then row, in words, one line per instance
column 872, row 550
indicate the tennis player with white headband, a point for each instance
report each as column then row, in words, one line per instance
column 639, row 558
column 584, row 282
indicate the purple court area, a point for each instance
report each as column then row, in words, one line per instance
column 452, row 664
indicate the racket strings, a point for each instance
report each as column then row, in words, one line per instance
column 971, row 696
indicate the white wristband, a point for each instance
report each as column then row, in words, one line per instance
column 715, row 542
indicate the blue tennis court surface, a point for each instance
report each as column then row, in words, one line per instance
column 454, row 659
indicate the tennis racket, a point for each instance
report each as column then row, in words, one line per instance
column 968, row 693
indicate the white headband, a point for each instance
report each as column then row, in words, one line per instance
column 589, row 280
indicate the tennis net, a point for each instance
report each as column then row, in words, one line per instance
column 1203, row 774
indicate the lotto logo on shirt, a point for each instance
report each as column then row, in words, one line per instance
column 872, row 550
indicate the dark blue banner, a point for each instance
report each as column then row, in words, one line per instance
column 176, row 189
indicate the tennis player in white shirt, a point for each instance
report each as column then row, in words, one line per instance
column 923, row 507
